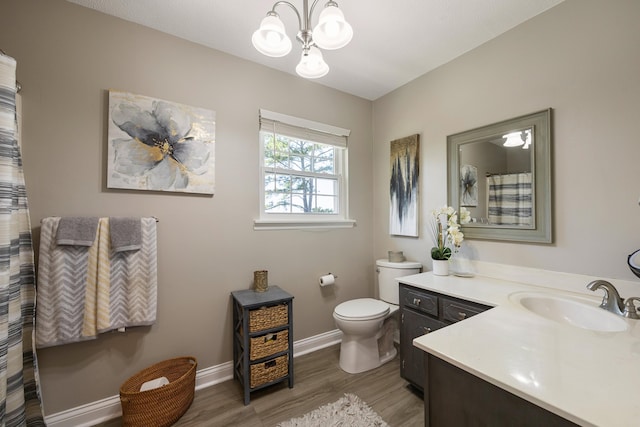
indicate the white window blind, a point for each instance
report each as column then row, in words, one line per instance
column 295, row 127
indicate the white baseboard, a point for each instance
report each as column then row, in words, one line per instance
column 109, row 408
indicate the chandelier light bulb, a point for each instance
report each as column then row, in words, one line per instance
column 270, row 39
column 312, row 65
column 273, row 38
column 332, row 31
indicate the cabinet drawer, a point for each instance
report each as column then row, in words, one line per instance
column 420, row 301
column 455, row 311
column 268, row 344
column 268, row 317
column 271, row 370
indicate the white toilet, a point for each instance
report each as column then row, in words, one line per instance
column 368, row 324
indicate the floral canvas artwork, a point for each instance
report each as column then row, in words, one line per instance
column 403, row 196
column 468, row 186
column 160, row 145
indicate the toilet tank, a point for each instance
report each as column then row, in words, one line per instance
column 388, row 272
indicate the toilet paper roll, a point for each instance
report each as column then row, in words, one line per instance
column 327, row 280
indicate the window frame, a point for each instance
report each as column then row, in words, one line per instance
column 309, row 131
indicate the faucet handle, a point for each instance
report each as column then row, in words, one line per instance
column 630, row 310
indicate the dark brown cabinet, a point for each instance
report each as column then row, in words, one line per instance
column 421, row 312
column 454, row 397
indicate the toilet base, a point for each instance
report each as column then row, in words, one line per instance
column 389, row 356
column 361, row 355
column 358, row 354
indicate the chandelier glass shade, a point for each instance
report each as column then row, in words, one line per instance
column 312, row 65
column 271, row 39
column 331, row 32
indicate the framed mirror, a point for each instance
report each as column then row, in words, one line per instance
column 501, row 173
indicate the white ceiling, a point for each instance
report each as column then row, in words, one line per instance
column 394, row 41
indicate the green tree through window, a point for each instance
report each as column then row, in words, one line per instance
column 299, row 176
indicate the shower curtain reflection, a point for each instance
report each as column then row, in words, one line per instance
column 510, row 199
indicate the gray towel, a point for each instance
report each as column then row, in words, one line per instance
column 77, row 231
column 126, row 234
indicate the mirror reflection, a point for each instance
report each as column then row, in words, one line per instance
column 501, row 173
column 496, row 179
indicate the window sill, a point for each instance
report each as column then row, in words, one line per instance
column 288, row 224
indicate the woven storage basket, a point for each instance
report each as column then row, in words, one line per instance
column 161, row 406
column 263, row 373
column 266, row 345
column 268, row 317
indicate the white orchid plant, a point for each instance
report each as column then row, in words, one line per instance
column 446, row 231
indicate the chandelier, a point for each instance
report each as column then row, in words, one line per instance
column 331, row 32
column 516, row 139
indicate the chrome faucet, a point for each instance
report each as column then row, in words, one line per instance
column 611, row 301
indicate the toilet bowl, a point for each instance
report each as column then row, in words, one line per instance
column 368, row 324
column 361, row 321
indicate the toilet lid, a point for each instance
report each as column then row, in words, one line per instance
column 362, row 309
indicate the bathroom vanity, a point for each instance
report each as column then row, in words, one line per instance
column 511, row 366
column 422, row 312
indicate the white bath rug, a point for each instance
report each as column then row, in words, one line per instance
column 349, row 411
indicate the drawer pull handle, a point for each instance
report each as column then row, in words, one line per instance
column 416, row 301
column 462, row 315
column 269, row 364
column 427, row 330
column 270, row 337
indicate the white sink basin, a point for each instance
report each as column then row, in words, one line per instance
column 575, row 311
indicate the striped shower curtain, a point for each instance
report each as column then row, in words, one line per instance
column 510, row 199
column 19, row 398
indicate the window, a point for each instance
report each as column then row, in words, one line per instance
column 303, row 174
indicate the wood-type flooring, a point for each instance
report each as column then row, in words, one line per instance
column 318, row 381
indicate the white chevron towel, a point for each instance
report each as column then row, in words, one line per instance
column 62, row 280
column 83, row 291
column 134, row 283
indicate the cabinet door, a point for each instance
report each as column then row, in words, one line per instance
column 414, row 325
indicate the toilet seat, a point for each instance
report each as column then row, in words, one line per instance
column 361, row 309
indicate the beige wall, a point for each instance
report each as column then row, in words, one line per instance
column 68, row 57
column 580, row 58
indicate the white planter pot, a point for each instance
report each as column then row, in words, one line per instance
column 440, row 267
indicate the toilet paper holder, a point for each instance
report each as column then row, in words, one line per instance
column 327, row 280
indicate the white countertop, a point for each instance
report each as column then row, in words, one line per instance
column 590, row 378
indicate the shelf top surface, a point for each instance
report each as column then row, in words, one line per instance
column 249, row 297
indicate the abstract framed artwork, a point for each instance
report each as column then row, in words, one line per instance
column 403, row 194
column 160, row 145
column 469, row 186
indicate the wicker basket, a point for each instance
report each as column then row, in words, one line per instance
column 266, row 345
column 263, row 373
column 161, row 406
column 268, row 317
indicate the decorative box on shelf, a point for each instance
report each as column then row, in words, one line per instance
column 262, row 338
